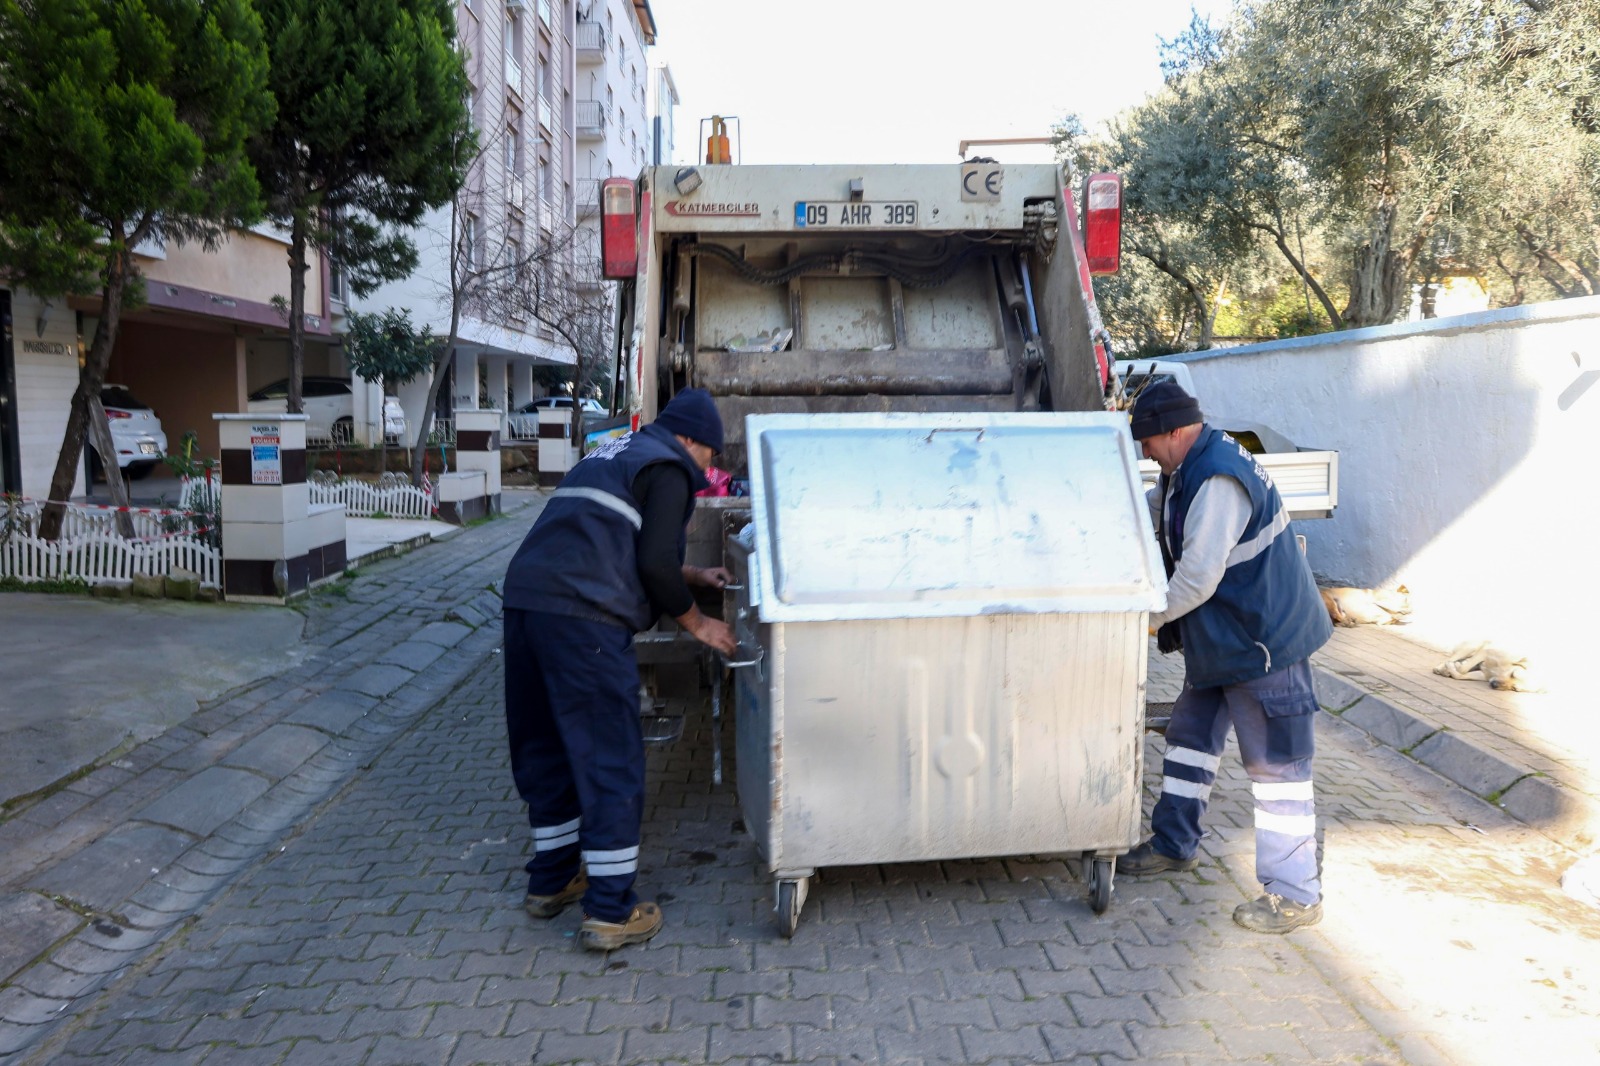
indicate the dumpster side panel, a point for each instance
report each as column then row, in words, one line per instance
column 940, row 738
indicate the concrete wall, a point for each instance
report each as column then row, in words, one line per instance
column 1465, row 469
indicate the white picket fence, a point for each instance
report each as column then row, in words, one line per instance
column 91, row 550
column 392, row 496
column 197, row 494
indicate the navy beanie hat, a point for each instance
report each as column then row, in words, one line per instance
column 692, row 414
column 1162, row 408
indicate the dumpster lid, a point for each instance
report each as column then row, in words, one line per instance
column 900, row 515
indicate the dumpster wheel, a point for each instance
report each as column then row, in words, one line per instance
column 1101, row 873
column 791, row 897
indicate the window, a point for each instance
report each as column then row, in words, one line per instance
column 512, row 167
column 469, row 240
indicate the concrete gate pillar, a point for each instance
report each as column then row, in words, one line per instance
column 275, row 544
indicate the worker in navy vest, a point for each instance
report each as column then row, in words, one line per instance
column 604, row 560
column 1246, row 611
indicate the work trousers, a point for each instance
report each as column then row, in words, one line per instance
column 1273, row 718
column 577, row 753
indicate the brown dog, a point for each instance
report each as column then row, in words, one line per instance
column 1478, row 660
column 1367, row 607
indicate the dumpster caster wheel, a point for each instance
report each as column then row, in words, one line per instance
column 790, row 900
column 1100, row 885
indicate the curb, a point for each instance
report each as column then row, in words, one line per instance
column 1531, row 797
column 84, row 917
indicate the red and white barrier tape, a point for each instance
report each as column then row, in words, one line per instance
column 112, row 507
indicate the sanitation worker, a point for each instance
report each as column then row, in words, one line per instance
column 603, row 561
column 1242, row 603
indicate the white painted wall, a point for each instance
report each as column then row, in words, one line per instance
column 47, row 376
column 1465, row 463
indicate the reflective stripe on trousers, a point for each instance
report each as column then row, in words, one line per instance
column 577, row 753
column 1277, row 752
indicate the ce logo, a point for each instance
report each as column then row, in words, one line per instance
column 981, row 182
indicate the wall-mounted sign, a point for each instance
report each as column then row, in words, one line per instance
column 266, row 455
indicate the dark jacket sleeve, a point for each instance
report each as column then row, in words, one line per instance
column 662, row 491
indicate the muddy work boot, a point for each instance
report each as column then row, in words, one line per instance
column 1274, row 914
column 552, row 905
column 642, row 924
column 1145, row 860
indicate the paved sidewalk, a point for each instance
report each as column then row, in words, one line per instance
column 103, row 869
column 388, row 930
column 1535, row 755
column 326, row 866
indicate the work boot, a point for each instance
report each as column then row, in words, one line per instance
column 1274, row 914
column 1145, row 860
column 552, row 905
column 642, row 924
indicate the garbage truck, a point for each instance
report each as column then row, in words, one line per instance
column 827, row 289
column 832, row 288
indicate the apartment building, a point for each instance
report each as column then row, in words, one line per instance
column 558, row 99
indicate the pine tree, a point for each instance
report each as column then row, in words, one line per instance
column 371, row 94
column 124, row 121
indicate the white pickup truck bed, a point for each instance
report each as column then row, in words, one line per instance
column 1307, row 478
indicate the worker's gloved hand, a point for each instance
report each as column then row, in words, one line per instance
column 1168, row 639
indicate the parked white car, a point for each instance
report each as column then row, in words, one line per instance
column 329, row 409
column 136, row 432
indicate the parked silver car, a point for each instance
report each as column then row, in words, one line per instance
column 524, row 421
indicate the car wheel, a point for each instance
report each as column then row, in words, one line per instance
column 140, row 471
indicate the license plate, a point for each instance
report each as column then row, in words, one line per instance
column 146, row 448
column 844, row 214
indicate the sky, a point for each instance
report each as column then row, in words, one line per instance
column 888, row 81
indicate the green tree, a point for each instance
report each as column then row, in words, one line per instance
column 386, row 347
column 124, row 122
column 371, row 102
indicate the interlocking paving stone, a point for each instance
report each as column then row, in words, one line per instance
column 388, row 929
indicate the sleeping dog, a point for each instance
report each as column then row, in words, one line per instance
column 1478, row 660
column 1370, row 607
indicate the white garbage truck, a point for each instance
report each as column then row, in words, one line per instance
column 828, row 289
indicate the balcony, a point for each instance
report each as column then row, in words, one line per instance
column 590, row 121
column 516, row 191
column 547, row 114
column 513, row 75
column 587, row 197
column 591, row 43
column 586, row 274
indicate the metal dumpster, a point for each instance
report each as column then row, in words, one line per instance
column 942, row 621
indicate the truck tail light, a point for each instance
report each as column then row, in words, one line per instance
column 1102, row 223
column 619, row 229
